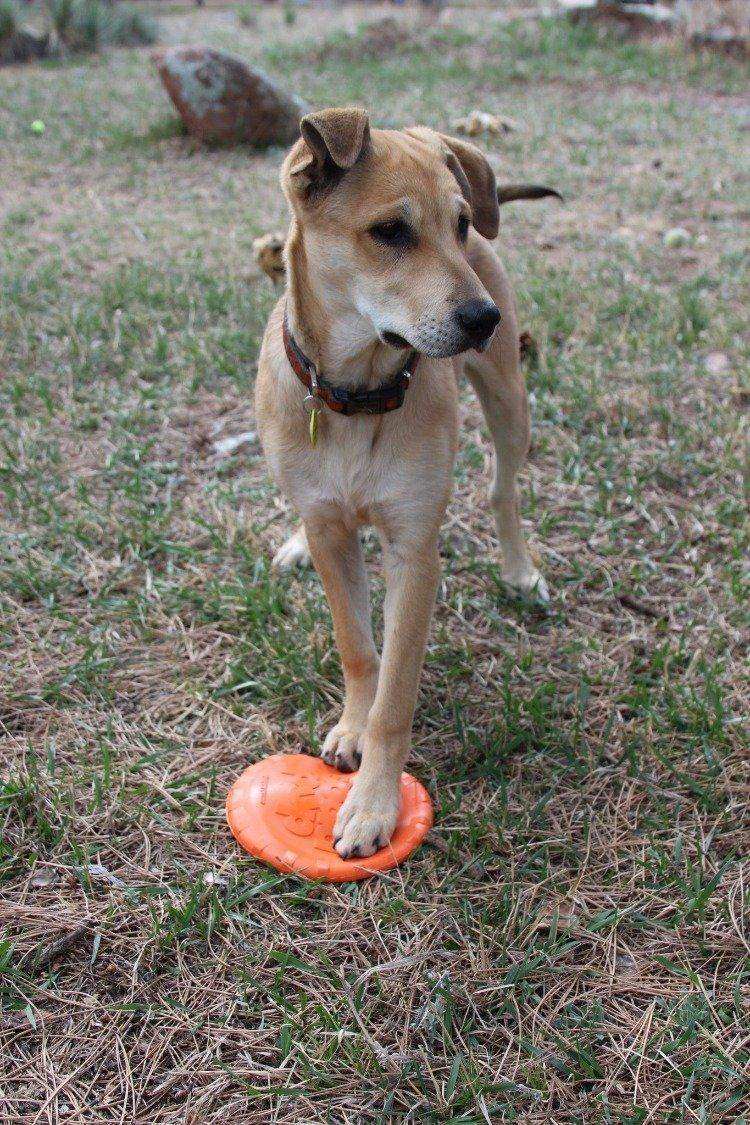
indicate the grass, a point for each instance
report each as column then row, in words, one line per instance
column 90, row 25
column 573, row 946
column 8, row 20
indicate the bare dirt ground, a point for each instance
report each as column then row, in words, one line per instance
column 573, row 946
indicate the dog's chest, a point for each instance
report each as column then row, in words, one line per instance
column 363, row 469
column 350, row 467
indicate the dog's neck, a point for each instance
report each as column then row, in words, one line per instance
column 340, row 341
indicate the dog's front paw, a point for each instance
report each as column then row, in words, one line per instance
column 341, row 748
column 528, row 582
column 367, row 818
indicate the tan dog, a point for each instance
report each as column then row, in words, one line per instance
column 268, row 251
column 387, row 256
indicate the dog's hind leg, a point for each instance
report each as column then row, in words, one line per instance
column 498, row 381
column 293, row 552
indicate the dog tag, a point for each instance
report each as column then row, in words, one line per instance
column 314, row 427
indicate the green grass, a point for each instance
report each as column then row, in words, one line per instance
column 90, row 25
column 8, row 20
column 574, row 946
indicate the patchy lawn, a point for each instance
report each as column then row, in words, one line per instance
column 573, row 947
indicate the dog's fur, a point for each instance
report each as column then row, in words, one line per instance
column 349, row 299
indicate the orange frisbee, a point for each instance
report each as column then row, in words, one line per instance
column 283, row 808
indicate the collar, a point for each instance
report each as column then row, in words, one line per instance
column 379, row 400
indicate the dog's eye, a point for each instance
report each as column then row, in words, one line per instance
column 395, row 232
column 463, row 227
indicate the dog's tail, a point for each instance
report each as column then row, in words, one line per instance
column 506, row 193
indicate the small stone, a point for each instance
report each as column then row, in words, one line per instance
column 98, row 871
column 716, row 363
column 222, row 100
column 45, row 878
column 228, row 445
column 677, row 237
column 212, row 880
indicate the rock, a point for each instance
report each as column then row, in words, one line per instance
column 640, row 17
column 221, row 100
column 98, row 871
column 228, row 445
column 25, row 46
column 676, row 237
column 723, row 39
column 578, row 9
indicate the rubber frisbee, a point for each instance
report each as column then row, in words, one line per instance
column 283, row 808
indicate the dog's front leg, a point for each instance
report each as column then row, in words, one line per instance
column 368, row 817
column 337, row 555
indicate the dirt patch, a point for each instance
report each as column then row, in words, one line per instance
column 383, row 36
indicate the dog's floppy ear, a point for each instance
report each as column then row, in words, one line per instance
column 477, row 182
column 334, row 140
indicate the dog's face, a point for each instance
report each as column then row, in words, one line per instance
column 385, row 217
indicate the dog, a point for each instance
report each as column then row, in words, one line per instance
column 268, row 251
column 392, row 289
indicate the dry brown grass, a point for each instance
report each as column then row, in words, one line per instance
column 573, row 946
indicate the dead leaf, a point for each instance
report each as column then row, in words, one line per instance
column 478, row 122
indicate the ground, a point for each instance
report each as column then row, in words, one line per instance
column 573, row 945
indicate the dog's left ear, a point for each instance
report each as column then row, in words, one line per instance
column 477, row 182
column 473, row 173
column 335, row 139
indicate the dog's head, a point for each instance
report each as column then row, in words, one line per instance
column 385, row 217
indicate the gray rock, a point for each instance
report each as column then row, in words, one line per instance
column 222, row 100
column 724, row 39
column 24, row 45
column 640, row 17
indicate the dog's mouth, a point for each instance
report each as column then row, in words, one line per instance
column 466, row 344
column 395, row 340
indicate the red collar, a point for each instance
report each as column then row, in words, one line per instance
column 380, row 400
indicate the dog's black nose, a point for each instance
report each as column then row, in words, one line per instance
column 479, row 319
